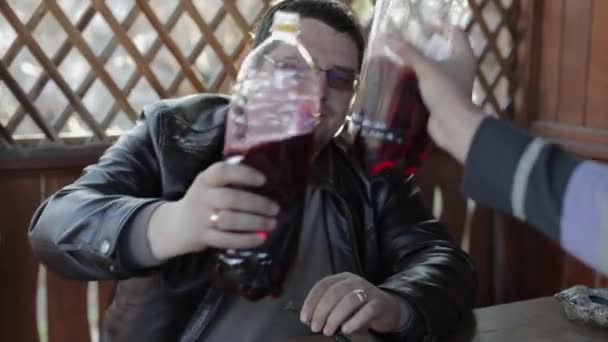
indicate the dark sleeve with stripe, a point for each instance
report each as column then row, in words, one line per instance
column 516, row 173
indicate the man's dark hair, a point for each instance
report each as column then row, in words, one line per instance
column 331, row 12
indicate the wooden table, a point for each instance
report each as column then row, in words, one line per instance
column 539, row 320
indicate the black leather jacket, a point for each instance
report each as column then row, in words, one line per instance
column 380, row 225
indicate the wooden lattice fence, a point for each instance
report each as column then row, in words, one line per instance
column 77, row 72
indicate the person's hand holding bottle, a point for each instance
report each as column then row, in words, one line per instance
column 214, row 214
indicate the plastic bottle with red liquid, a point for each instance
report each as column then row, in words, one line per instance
column 388, row 118
column 271, row 127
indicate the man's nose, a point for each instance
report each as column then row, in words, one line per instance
column 322, row 76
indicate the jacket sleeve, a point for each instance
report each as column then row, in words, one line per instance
column 538, row 182
column 76, row 231
column 423, row 264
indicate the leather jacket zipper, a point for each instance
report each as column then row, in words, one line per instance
column 352, row 234
column 195, row 329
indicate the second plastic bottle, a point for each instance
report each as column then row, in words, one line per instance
column 389, row 118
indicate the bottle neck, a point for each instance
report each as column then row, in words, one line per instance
column 291, row 37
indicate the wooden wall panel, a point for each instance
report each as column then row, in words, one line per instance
column 442, row 172
column 572, row 76
column 570, row 108
column 587, row 142
column 473, row 230
column 574, row 66
column 482, row 247
column 577, row 273
column 67, row 299
column 531, row 265
column 19, row 196
column 597, row 106
column 602, row 281
column 551, row 45
column 106, row 293
column 23, row 186
column 67, row 302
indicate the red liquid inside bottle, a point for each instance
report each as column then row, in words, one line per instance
column 258, row 273
column 391, row 119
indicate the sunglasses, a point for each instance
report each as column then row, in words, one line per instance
column 336, row 78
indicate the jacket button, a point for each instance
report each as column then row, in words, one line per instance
column 105, row 247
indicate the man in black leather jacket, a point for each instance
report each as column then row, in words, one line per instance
column 156, row 205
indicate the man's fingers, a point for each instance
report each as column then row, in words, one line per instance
column 462, row 45
column 462, row 66
column 240, row 200
column 345, row 309
column 226, row 173
column 243, row 222
column 228, row 240
column 413, row 57
column 330, row 299
column 315, row 294
column 362, row 319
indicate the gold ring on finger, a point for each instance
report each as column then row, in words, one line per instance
column 214, row 218
column 361, row 295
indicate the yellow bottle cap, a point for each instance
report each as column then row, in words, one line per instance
column 286, row 22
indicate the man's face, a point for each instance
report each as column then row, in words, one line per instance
column 330, row 50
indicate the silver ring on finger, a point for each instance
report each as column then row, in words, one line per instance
column 214, row 218
column 361, row 295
